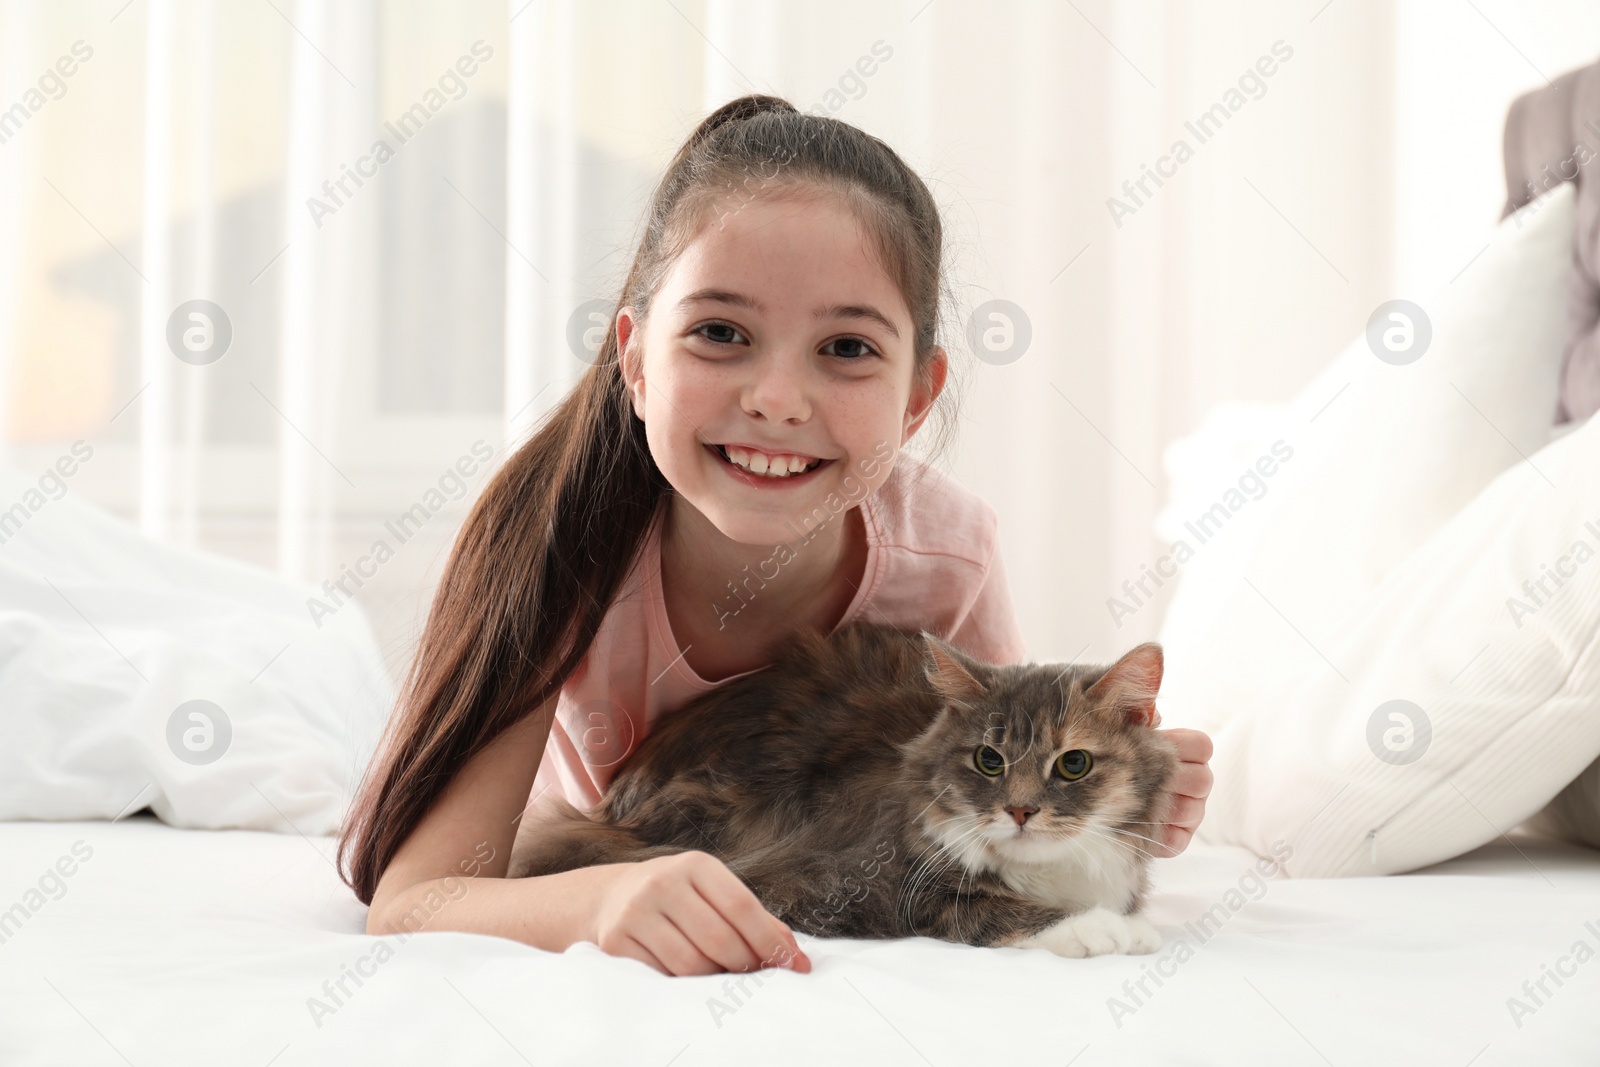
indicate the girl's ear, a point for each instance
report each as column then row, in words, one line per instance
column 922, row 397
column 628, row 351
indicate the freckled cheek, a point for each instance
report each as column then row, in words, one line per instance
column 866, row 421
column 670, row 426
column 679, row 399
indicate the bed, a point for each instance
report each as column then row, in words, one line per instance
column 168, row 894
column 174, row 946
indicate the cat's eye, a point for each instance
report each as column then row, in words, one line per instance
column 988, row 761
column 1074, row 764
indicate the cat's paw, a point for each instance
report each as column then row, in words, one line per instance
column 1146, row 938
column 1097, row 932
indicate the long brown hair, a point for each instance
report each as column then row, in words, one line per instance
column 549, row 541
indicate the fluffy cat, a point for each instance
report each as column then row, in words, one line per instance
column 879, row 783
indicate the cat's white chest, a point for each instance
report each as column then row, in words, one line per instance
column 1089, row 872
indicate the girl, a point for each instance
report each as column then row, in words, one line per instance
column 727, row 473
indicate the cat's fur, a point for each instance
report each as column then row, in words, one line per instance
column 841, row 784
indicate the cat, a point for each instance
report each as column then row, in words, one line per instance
column 880, row 783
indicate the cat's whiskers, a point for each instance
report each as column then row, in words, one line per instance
column 944, row 849
column 955, row 904
column 932, row 839
column 932, row 835
column 1130, row 833
column 940, row 837
column 925, row 875
column 955, row 908
column 1103, row 832
column 1088, row 855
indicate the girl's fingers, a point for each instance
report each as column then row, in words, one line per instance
column 1194, row 746
column 1186, row 812
column 713, row 934
column 1178, row 831
column 1181, row 823
column 668, row 944
column 1193, row 780
column 1176, row 838
column 769, row 940
column 631, row 948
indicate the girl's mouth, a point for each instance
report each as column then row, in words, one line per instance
column 763, row 481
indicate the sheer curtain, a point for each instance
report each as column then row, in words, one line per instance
column 402, row 215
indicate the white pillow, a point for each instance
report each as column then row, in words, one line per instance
column 1379, row 456
column 1503, row 681
column 105, row 638
column 1574, row 813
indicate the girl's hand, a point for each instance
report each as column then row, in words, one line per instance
column 688, row 914
column 1190, row 787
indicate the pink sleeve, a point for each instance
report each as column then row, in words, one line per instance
column 990, row 631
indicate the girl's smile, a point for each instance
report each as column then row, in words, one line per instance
column 763, row 470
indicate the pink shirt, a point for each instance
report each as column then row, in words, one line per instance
column 933, row 563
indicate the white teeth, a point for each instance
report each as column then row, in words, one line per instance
column 781, row 466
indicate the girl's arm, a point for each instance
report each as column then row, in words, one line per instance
column 681, row 914
column 449, row 874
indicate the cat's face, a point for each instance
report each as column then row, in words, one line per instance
column 1026, row 761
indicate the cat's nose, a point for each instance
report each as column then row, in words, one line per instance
column 1020, row 812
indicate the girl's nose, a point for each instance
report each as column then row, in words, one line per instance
column 780, row 389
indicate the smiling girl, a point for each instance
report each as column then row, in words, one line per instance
column 726, row 474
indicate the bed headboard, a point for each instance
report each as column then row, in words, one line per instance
column 1553, row 135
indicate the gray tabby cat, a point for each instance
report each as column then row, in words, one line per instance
column 879, row 783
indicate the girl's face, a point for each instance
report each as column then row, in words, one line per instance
column 777, row 331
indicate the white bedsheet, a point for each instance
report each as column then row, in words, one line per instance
column 174, row 946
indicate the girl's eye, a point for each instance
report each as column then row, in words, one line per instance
column 988, row 761
column 1074, row 764
column 852, row 357
column 717, row 326
column 856, row 348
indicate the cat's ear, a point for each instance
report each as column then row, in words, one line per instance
column 946, row 672
column 1131, row 683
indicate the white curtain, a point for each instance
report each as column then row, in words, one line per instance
column 388, row 314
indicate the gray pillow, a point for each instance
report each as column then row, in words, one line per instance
column 1553, row 135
